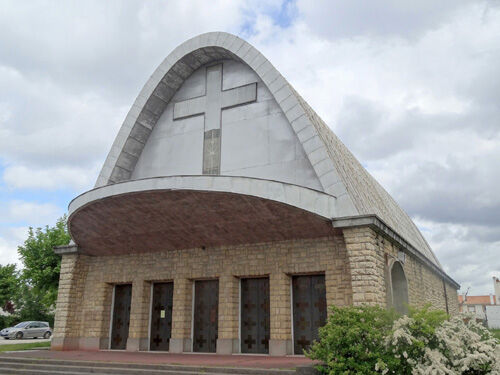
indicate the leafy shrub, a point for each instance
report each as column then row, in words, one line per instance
column 353, row 340
column 7, row 321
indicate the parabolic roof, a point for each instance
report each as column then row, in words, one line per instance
column 334, row 169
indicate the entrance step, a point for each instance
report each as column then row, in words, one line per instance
column 34, row 366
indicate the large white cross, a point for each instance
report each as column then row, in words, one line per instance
column 211, row 105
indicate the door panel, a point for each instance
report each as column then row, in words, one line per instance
column 255, row 319
column 39, row 331
column 29, row 331
column 121, row 316
column 161, row 316
column 309, row 309
column 32, row 330
column 206, row 315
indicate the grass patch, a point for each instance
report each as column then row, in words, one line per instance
column 27, row 346
column 496, row 333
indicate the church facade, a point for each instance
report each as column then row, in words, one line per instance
column 228, row 217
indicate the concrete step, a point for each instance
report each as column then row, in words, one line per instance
column 28, row 366
column 35, row 368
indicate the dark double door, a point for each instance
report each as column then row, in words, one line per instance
column 255, row 320
column 309, row 309
column 121, row 316
column 161, row 316
column 206, row 315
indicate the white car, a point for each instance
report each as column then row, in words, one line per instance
column 25, row 330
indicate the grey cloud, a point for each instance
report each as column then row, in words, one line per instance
column 470, row 262
column 368, row 128
column 95, row 45
column 451, row 193
column 345, row 19
column 70, row 71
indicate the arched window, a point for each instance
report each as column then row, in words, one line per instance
column 399, row 288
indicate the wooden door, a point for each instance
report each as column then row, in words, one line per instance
column 206, row 315
column 309, row 309
column 161, row 316
column 255, row 321
column 121, row 316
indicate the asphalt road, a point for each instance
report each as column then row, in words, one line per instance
column 22, row 341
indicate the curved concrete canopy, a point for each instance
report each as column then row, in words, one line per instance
column 182, row 212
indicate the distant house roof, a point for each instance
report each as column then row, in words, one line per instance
column 477, row 300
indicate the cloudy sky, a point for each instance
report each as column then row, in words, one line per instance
column 411, row 87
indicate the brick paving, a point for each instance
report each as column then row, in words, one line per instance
column 250, row 361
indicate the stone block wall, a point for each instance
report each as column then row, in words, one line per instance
column 277, row 260
column 370, row 256
column 424, row 285
column 355, row 262
column 366, row 261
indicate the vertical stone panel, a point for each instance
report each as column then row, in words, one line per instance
column 452, row 299
column 281, row 324
column 338, row 277
column 367, row 266
column 68, row 319
column 181, row 315
column 104, row 299
column 139, row 316
column 227, row 341
column 96, row 313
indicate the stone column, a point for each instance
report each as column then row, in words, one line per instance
column 95, row 317
column 366, row 261
column 181, row 316
column 228, row 341
column 338, row 276
column 139, row 316
column 67, row 325
column 280, row 342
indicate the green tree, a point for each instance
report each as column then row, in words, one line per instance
column 30, row 305
column 41, row 265
column 9, row 286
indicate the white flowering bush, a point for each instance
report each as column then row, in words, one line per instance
column 372, row 340
column 456, row 346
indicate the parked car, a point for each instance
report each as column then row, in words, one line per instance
column 27, row 330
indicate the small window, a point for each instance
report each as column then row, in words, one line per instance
column 42, row 324
column 472, row 309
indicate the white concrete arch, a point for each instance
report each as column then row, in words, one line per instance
column 170, row 75
column 312, row 201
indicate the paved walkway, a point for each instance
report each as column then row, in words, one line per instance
column 237, row 360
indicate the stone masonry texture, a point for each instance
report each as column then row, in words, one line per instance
column 354, row 262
